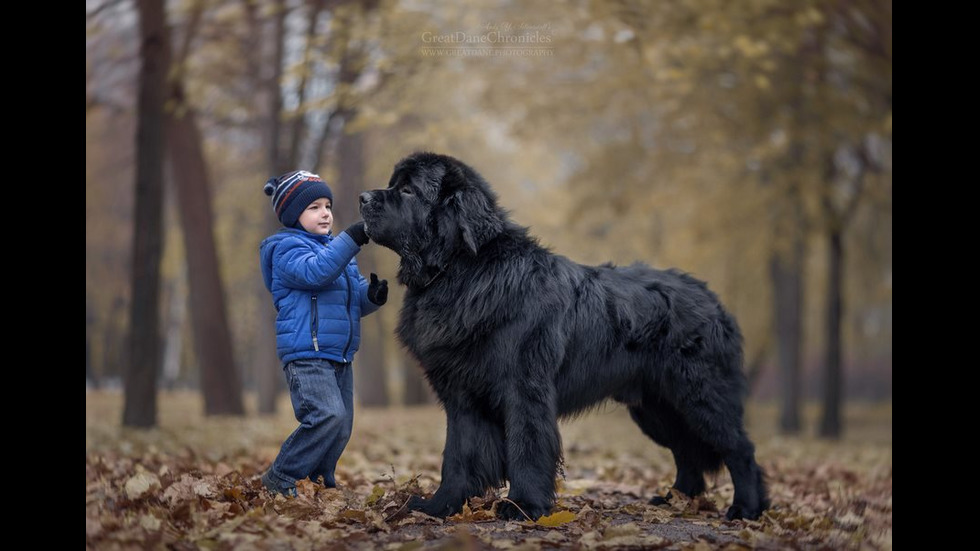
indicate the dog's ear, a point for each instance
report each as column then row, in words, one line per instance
column 472, row 210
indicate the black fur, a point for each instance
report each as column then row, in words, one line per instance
column 513, row 337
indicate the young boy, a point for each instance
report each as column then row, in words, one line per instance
column 320, row 297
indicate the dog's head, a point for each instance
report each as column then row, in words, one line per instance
column 434, row 208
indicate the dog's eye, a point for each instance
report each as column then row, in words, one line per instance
column 407, row 191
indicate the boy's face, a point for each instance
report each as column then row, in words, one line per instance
column 317, row 217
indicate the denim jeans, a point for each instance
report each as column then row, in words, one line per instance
column 322, row 393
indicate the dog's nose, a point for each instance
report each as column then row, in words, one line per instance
column 365, row 198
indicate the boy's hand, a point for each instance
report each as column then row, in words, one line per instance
column 378, row 290
column 356, row 232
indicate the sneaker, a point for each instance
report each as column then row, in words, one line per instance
column 273, row 488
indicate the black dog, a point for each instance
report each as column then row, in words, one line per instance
column 512, row 337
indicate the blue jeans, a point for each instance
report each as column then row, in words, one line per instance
column 322, row 393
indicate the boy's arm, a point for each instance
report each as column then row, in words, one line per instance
column 310, row 268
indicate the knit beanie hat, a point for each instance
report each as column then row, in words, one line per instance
column 294, row 191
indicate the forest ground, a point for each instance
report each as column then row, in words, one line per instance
column 193, row 483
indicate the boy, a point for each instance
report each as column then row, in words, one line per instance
column 320, row 296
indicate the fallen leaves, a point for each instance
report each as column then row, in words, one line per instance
column 140, row 484
column 165, row 491
column 556, row 519
column 623, row 535
column 483, row 513
column 377, row 493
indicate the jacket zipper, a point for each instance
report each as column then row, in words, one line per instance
column 313, row 325
column 350, row 324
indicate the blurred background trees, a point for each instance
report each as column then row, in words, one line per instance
column 747, row 143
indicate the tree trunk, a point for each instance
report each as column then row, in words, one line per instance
column 174, row 339
column 90, row 375
column 830, row 425
column 143, row 359
column 787, row 280
column 212, row 339
column 268, row 371
column 417, row 390
column 115, row 343
column 369, row 374
column 297, row 130
column 269, row 376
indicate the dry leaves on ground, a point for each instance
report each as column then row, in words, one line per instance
column 194, row 483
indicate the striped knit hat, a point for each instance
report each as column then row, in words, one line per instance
column 294, row 191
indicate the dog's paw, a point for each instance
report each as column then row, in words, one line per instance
column 737, row 511
column 664, row 500
column 432, row 507
column 507, row 510
column 415, row 503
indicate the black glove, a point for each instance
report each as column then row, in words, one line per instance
column 356, row 232
column 377, row 290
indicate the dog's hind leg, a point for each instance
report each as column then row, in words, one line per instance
column 665, row 426
column 710, row 403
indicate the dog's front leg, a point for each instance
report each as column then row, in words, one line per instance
column 472, row 461
column 533, row 451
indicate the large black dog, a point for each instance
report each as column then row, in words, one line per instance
column 512, row 337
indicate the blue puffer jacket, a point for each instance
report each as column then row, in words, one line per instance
column 318, row 292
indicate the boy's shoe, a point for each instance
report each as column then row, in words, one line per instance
column 272, row 487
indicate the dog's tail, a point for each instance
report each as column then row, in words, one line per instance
column 730, row 345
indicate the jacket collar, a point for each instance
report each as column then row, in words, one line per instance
column 303, row 233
